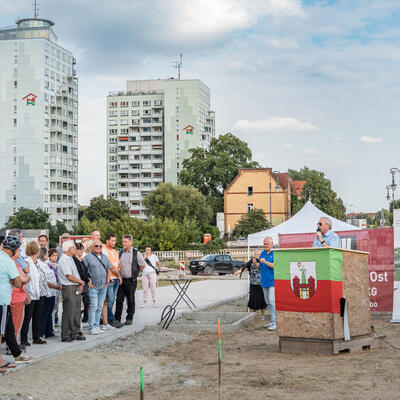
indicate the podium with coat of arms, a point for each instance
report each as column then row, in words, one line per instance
column 322, row 300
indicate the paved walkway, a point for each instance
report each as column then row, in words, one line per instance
column 203, row 293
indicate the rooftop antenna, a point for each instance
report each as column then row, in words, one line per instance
column 178, row 66
column 35, row 9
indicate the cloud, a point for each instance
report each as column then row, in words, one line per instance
column 218, row 17
column 369, row 139
column 273, row 125
column 283, row 44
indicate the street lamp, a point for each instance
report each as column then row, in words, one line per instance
column 393, row 185
column 388, row 187
column 308, row 191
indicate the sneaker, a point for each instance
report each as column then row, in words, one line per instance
column 67, row 340
column 268, row 325
column 98, row 330
column 272, row 327
column 94, row 331
column 21, row 359
column 106, row 327
column 128, row 322
column 142, row 306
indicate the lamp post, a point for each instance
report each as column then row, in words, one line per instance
column 308, row 193
column 393, row 185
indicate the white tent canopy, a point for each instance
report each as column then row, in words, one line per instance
column 304, row 221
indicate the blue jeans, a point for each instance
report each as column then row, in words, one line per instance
column 111, row 293
column 97, row 298
column 269, row 296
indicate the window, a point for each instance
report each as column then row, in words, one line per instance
column 135, row 103
column 135, row 113
column 124, row 113
column 250, row 191
column 124, row 104
column 113, row 104
column 113, row 113
column 123, row 122
column 15, row 84
column 249, row 207
column 158, row 102
column 147, row 103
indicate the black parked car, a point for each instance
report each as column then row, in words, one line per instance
column 221, row 263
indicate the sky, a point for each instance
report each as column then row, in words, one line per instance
column 312, row 82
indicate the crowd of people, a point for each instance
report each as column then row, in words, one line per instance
column 90, row 279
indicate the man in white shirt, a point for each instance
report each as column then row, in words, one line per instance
column 72, row 286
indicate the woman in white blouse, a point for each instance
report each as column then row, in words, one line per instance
column 36, row 292
column 149, row 275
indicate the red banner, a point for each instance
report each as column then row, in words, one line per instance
column 380, row 245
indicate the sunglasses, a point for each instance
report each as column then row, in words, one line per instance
column 319, row 223
column 98, row 245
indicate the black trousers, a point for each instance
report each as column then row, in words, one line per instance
column 9, row 334
column 86, row 303
column 33, row 311
column 46, row 319
column 126, row 290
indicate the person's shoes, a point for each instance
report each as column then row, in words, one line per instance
column 25, row 345
column 98, row 329
column 117, row 324
column 107, row 327
column 142, row 306
column 80, row 337
column 39, row 341
column 262, row 318
column 272, row 327
column 94, row 331
column 50, row 336
column 21, row 359
column 68, row 340
column 128, row 322
column 268, row 325
column 8, row 351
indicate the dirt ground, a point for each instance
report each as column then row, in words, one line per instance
column 183, row 365
column 254, row 369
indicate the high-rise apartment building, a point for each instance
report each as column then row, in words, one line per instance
column 38, row 123
column 150, row 129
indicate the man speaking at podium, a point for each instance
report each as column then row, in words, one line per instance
column 325, row 236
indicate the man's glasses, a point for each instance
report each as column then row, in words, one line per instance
column 98, row 245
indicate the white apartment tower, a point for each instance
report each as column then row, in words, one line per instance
column 150, row 129
column 38, row 123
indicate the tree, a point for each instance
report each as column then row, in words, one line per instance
column 110, row 209
column 322, row 194
column 253, row 221
column 25, row 218
column 177, row 203
column 211, row 171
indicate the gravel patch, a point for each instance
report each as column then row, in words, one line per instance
column 147, row 342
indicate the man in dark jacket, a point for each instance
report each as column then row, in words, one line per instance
column 132, row 262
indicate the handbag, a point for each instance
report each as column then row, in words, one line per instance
column 148, row 262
